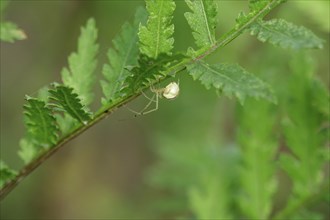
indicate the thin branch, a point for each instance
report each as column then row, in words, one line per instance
column 107, row 110
column 39, row 160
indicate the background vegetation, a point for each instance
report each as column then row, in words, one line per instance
column 195, row 156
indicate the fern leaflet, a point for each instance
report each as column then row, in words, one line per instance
column 82, row 64
column 64, row 98
column 40, row 122
column 257, row 170
column 9, row 32
column 149, row 70
column 231, row 80
column 6, row 174
column 125, row 53
column 258, row 9
column 256, row 5
column 28, row 150
column 284, row 34
column 203, row 21
column 156, row 37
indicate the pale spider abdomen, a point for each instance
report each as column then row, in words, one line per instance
column 171, row 90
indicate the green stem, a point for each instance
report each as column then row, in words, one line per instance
column 107, row 110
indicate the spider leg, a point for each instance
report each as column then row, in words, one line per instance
column 154, row 109
column 142, row 112
column 147, row 97
column 150, row 102
column 133, row 111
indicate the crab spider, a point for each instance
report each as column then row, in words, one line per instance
column 171, row 91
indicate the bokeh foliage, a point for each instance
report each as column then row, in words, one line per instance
column 198, row 155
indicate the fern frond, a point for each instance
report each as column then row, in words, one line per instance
column 286, row 35
column 204, row 170
column 204, row 200
column 40, row 122
column 79, row 74
column 6, row 174
column 156, row 37
column 149, row 70
column 65, row 99
column 203, row 21
column 124, row 53
column 231, row 80
column 257, row 170
column 303, row 137
column 9, row 32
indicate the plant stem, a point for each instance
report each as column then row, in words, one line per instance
column 107, row 110
column 79, row 130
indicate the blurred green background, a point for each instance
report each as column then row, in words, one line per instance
column 114, row 170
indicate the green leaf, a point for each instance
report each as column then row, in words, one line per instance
column 231, row 80
column 156, row 36
column 302, row 129
column 321, row 98
column 149, row 70
column 6, row 174
column 257, row 5
column 286, row 35
column 43, row 93
column 9, row 32
column 40, row 122
column 258, row 9
column 204, row 168
column 205, row 200
column 68, row 101
column 66, row 123
column 82, row 64
column 257, row 170
column 124, row 53
column 28, row 150
column 203, row 21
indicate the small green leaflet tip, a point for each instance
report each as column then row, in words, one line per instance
column 40, row 122
column 157, row 36
column 9, row 32
column 28, row 150
column 27, row 97
column 64, row 98
column 6, row 174
column 203, row 21
column 79, row 74
column 122, row 58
